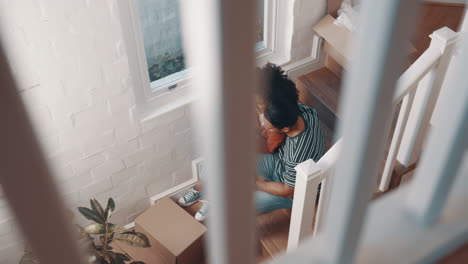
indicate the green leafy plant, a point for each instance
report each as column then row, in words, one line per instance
column 97, row 237
column 166, row 65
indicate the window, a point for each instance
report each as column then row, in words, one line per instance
column 260, row 26
column 266, row 31
column 160, row 28
column 153, row 37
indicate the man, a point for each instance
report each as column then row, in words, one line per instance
column 304, row 140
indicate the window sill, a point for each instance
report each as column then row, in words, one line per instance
column 171, row 106
column 272, row 57
column 166, row 102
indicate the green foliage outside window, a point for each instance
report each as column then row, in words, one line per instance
column 166, row 65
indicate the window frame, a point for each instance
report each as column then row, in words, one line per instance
column 152, row 89
column 270, row 14
column 151, row 102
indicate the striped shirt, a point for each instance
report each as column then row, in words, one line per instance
column 309, row 144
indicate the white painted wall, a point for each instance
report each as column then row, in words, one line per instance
column 307, row 13
column 72, row 67
column 69, row 58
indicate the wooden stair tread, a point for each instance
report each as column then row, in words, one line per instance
column 325, row 85
column 273, row 229
column 321, row 90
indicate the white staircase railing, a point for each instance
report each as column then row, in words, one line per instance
column 419, row 102
column 418, row 105
column 309, row 176
column 417, row 89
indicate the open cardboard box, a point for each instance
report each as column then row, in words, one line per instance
column 175, row 236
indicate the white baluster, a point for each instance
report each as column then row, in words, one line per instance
column 446, row 145
column 396, row 140
column 308, row 177
column 219, row 41
column 406, row 86
column 366, row 107
column 323, row 203
column 326, row 164
column 425, row 99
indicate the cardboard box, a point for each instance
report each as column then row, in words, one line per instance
column 175, row 236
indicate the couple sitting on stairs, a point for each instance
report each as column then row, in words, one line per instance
column 291, row 134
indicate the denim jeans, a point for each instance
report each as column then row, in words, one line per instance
column 265, row 202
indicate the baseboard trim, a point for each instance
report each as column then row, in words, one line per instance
column 314, row 62
column 171, row 193
column 173, row 190
column 130, row 225
column 301, row 67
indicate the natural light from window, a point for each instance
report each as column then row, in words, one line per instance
column 161, row 29
column 160, row 26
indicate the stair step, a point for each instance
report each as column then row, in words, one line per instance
column 321, row 90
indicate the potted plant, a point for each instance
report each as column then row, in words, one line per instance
column 96, row 238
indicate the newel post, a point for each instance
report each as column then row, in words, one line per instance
column 308, row 177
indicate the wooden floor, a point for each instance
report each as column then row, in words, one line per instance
column 433, row 17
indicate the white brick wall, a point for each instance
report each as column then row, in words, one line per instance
column 72, row 67
column 306, row 14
